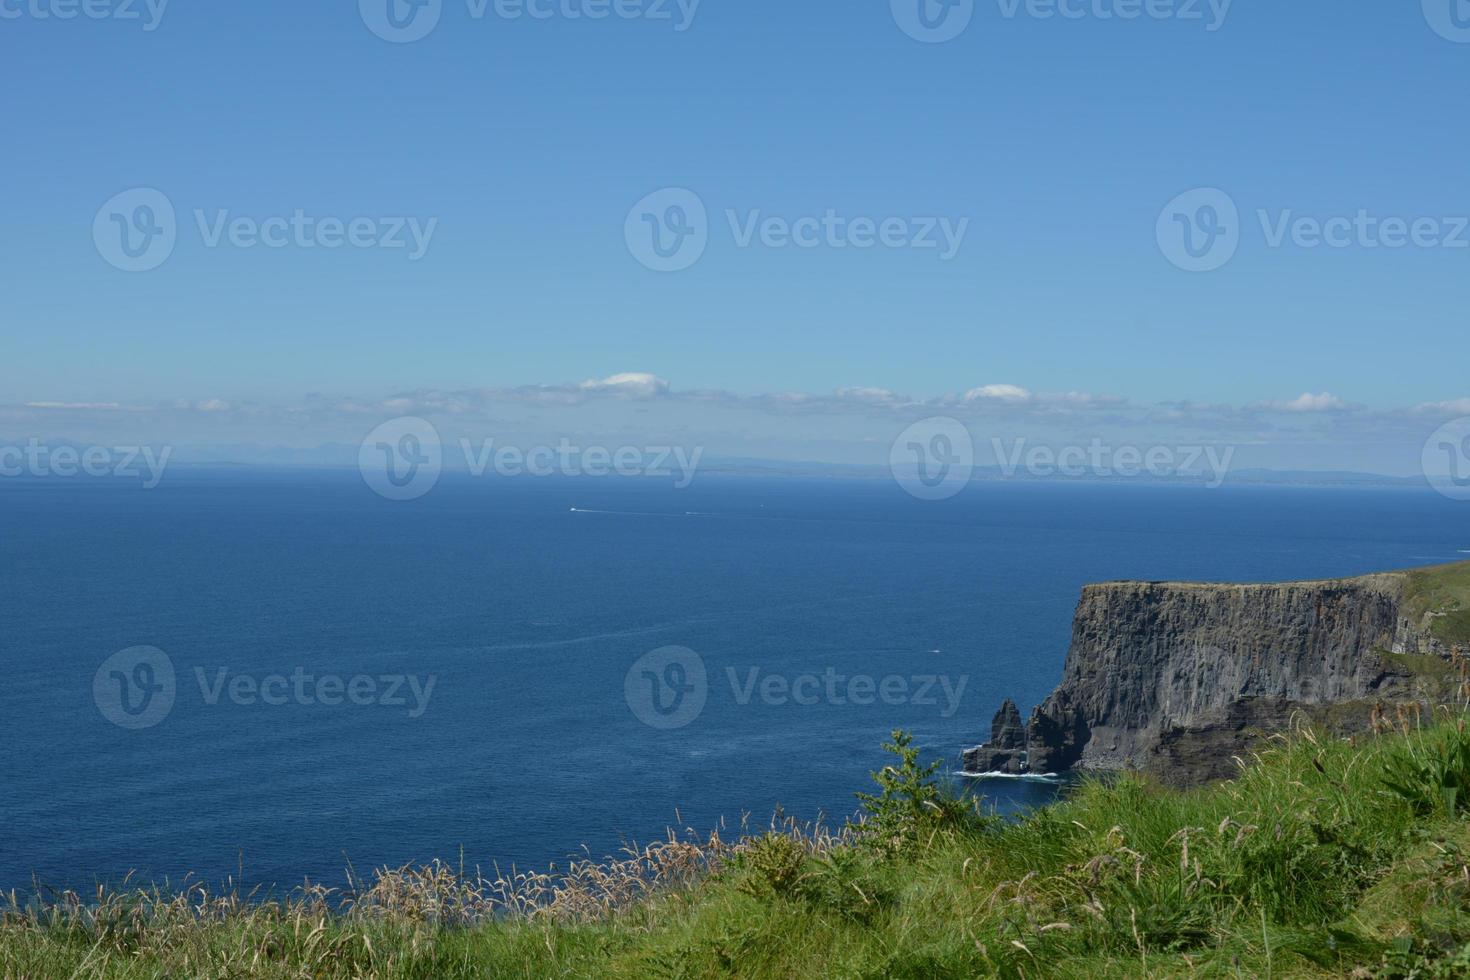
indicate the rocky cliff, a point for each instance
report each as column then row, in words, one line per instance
column 1177, row 678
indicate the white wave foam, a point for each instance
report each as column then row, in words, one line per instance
column 1029, row 777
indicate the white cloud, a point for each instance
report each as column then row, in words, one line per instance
column 77, row 406
column 1013, row 397
column 213, row 405
column 634, row 384
column 1001, row 393
column 1308, row 402
column 877, row 396
column 1456, row 406
column 1086, row 399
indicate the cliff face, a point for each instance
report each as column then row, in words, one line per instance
column 1175, row 678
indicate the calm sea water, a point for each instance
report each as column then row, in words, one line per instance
column 529, row 617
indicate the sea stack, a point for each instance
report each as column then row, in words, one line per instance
column 1006, row 750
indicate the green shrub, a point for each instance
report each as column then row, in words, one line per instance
column 771, row 865
column 849, row 883
column 1434, row 776
column 911, row 806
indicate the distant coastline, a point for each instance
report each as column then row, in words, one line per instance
column 340, row 456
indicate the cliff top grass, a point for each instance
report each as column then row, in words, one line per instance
column 1443, row 588
column 1323, row 858
column 1442, row 592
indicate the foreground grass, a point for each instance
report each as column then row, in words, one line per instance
column 1323, row 858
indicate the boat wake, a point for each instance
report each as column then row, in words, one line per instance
column 637, row 513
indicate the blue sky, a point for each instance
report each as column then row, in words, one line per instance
column 1058, row 141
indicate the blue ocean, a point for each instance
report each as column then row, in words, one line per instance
column 518, row 616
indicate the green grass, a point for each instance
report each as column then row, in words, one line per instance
column 1322, row 858
column 1443, row 591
